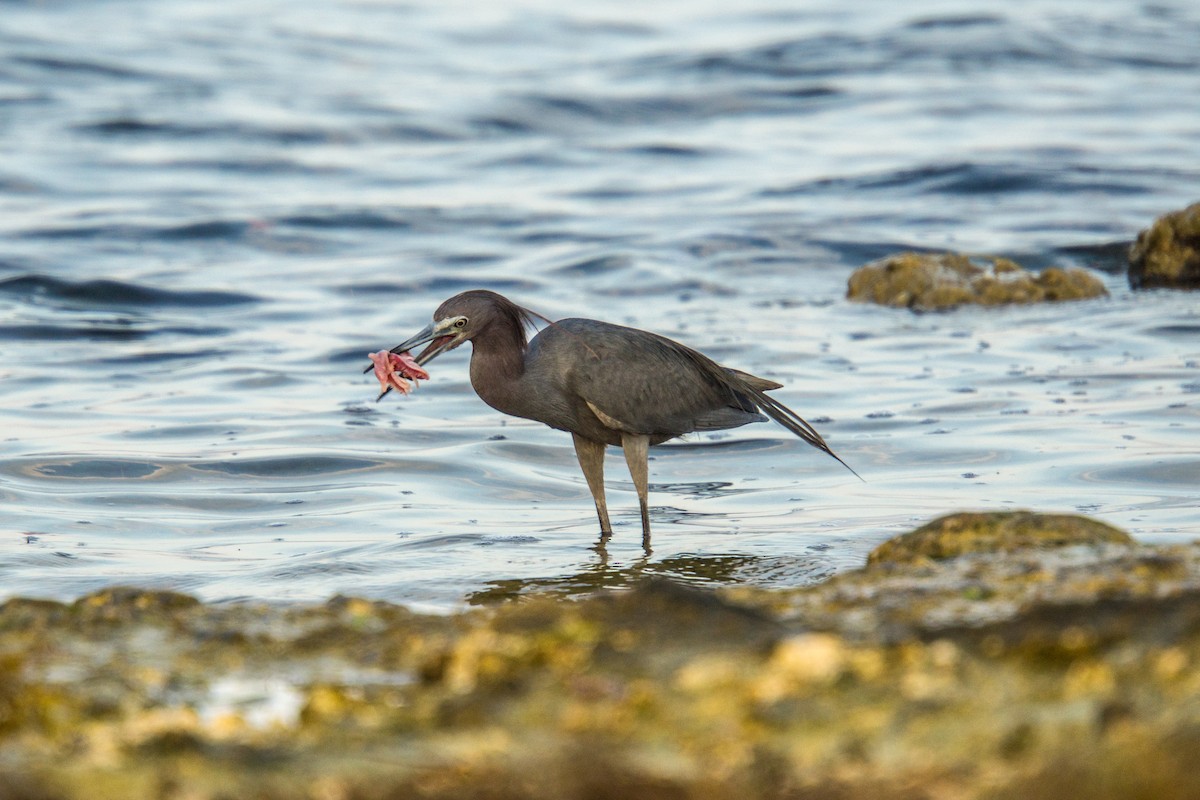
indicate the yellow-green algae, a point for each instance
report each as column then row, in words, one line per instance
column 997, row 673
column 1006, row 531
column 928, row 281
column 1167, row 254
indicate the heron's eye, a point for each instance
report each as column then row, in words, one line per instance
column 461, row 322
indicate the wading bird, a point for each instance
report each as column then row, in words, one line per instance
column 603, row 383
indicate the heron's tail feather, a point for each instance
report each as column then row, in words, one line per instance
column 754, row 381
column 794, row 423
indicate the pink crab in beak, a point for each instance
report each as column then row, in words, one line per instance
column 391, row 369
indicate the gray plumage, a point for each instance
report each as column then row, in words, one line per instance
column 603, row 383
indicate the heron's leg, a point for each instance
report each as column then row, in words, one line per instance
column 637, row 455
column 591, row 461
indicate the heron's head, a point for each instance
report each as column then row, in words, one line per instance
column 464, row 317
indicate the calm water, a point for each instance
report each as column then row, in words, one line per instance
column 211, row 211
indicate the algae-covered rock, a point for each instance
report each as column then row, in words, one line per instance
column 1060, row 672
column 994, row 532
column 120, row 602
column 1167, row 254
column 928, row 281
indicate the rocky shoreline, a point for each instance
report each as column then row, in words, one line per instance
column 1006, row 655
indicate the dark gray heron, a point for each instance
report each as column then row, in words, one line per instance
column 603, row 383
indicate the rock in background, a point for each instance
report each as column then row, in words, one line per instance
column 929, row 281
column 1167, row 254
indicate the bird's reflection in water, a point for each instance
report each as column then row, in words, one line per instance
column 600, row 574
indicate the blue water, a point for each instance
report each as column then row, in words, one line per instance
column 211, row 211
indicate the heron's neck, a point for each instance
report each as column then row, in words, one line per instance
column 497, row 364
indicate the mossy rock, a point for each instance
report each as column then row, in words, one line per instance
column 1049, row 673
column 122, row 603
column 1167, row 254
column 995, row 532
column 929, row 281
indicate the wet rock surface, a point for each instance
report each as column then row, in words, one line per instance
column 929, row 281
column 1007, row 531
column 1167, row 254
column 1054, row 657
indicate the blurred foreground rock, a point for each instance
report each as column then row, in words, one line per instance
column 1167, row 254
column 929, row 281
column 1055, row 658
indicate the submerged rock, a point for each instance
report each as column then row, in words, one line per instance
column 1167, row 254
column 928, row 281
column 974, row 666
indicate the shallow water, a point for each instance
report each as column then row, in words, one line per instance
column 212, row 211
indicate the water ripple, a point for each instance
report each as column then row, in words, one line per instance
column 200, row 248
column 114, row 294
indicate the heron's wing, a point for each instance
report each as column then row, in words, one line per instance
column 753, row 381
column 641, row 383
column 610, row 421
column 653, row 385
column 726, row 418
